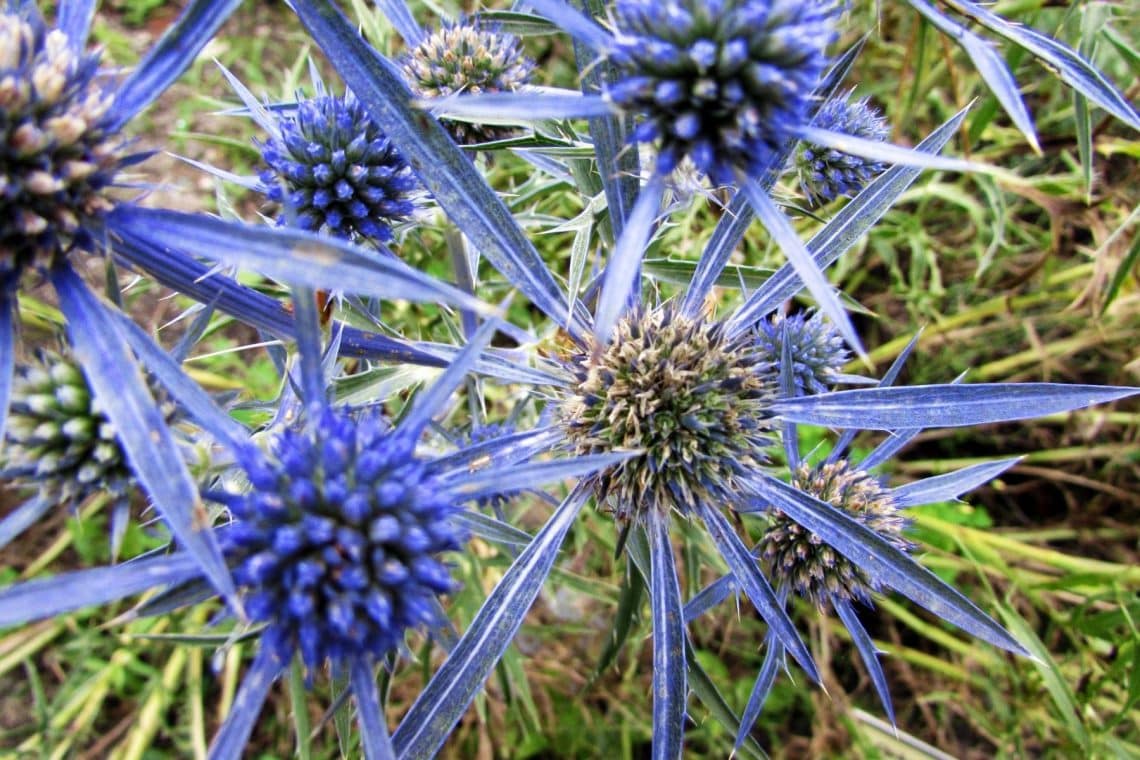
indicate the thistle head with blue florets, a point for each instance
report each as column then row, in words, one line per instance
column 335, row 171
column 816, row 348
column 798, row 560
column 57, row 437
column 825, row 173
column 690, row 397
column 57, row 151
column 726, row 83
column 470, row 58
column 337, row 542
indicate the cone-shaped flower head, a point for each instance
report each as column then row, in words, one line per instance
column 56, row 153
column 681, row 391
column 337, row 541
column 817, row 349
column 726, row 82
column 826, row 174
column 799, row 561
column 336, row 171
column 57, row 439
column 464, row 57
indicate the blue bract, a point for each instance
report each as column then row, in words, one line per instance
column 336, row 171
column 825, row 173
column 726, row 83
column 336, row 544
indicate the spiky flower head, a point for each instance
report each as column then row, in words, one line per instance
column 826, row 174
column 801, row 562
column 725, row 82
column 692, row 399
column 57, row 154
column 818, row 350
column 58, row 440
column 466, row 57
column 336, row 542
column 335, row 171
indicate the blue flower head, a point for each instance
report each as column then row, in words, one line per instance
column 799, row 561
column 817, row 349
column 680, row 389
column 58, row 438
column 726, row 82
column 58, row 148
column 826, row 174
column 335, row 171
column 336, row 543
column 471, row 58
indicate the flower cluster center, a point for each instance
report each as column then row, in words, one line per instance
column 690, row 398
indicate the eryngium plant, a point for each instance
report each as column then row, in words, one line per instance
column 591, row 330
column 726, row 83
column 337, row 544
column 62, row 155
column 814, row 346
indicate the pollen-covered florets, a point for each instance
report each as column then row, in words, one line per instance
column 817, row 349
column 726, row 82
column 336, row 171
column 58, row 440
column 801, row 562
column 467, row 58
column 826, row 174
column 692, row 399
column 56, row 152
column 336, row 542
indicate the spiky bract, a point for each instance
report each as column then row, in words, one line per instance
column 58, row 440
column 336, row 171
column 725, row 82
column 800, row 561
column 817, row 349
column 336, row 542
column 465, row 57
column 692, row 399
column 826, row 174
column 56, row 152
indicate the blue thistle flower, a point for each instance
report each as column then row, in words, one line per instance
column 726, row 83
column 489, row 433
column 825, row 173
column 803, row 552
column 59, row 148
column 816, row 348
column 335, row 171
column 467, row 57
column 61, row 445
column 807, row 566
column 689, row 396
column 336, row 545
